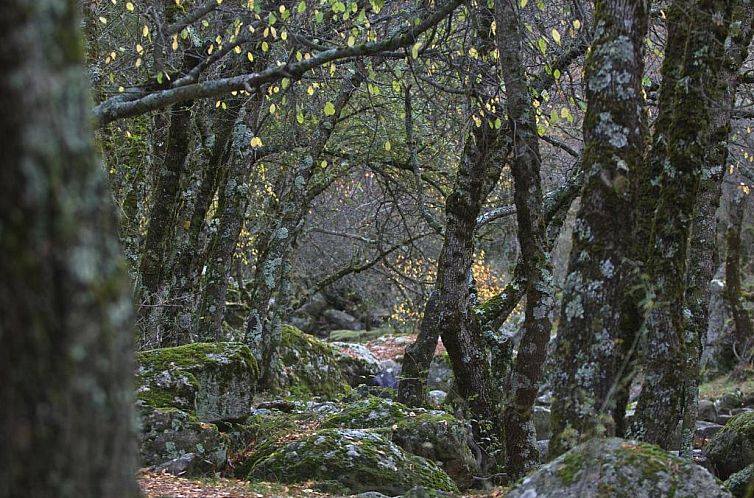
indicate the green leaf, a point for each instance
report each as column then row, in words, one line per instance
column 329, row 108
column 301, row 7
column 542, row 44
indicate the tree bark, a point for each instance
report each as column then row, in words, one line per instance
column 66, row 422
column 668, row 347
column 588, row 337
column 521, row 449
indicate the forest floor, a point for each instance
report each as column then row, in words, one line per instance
column 163, row 485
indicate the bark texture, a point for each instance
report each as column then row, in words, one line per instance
column 523, row 385
column 66, row 421
column 589, row 334
column 667, row 345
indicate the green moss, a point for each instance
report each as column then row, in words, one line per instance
column 359, row 460
column 741, row 484
column 368, row 413
column 309, row 365
column 572, row 465
column 357, row 335
column 216, row 380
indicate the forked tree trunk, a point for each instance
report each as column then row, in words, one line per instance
column 66, row 422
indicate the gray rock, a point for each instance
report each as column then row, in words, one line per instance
column 436, row 397
column 188, row 465
column 440, row 376
column 357, row 363
column 619, row 469
column 730, row 401
column 168, row 434
column 422, row 492
column 338, row 319
column 543, row 446
column 732, row 447
column 741, row 484
column 360, row 460
column 707, row 411
column 704, row 432
column 215, row 381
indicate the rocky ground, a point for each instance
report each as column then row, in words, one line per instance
column 207, row 431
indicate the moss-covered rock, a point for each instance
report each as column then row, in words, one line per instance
column 308, row 365
column 214, row 381
column 358, row 335
column 741, row 484
column 434, row 435
column 359, row 460
column 356, row 362
column 732, row 448
column 616, row 468
column 167, row 434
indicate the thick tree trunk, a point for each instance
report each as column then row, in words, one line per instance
column 668, row 347
column 521, row 449
column 66, row 422
column 588, row 337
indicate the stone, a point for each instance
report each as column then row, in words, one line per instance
column 168, row 434
column 357, row 363
column 707, row 411
column 388, row 375
column 214, row 381
column 704, row 432
column 732, row 447
column 543, row 446
column 541, row 418
column 187, row 465
column 618, row 468
column 434, row 434
column 308, row 366
column 337, row 319
column 436, row 397
column 741, row 484
column 730, row 401
column 360, row 460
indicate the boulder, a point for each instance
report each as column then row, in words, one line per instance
column 434, row 435
column 214, row 381
column 617, row 468
column 732, row 448
column 707, row 411
column 388, row 374
column 741, row 484
column 360, row 460
column 308, row 366
column 704, row 432
column 337, row 319
column 168, row 434
column 436, row 397
column 188, row 465
column 357, row 363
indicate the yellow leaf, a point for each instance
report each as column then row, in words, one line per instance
column 129, row 6
column 273, row 108
column 145, row 31
column 555, row 35
column 576, row 24
column 388, row 145
column 415, row 49
column 175, row 42
column 250, row 56
column 138, row 62
column 256, row 142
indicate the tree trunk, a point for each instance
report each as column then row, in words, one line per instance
column 521, row 449
column 270, row 286
column 668, row 346
column 66, row 422
column 588, row 337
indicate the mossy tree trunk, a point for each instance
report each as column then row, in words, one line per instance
column 743, row 328
column 525, row 374
column 667, row 342
column 66, row 422
column 588, row 338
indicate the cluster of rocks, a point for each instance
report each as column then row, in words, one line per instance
column 200, row 415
